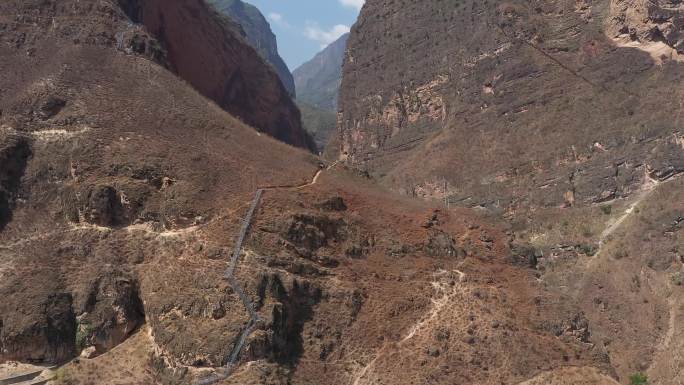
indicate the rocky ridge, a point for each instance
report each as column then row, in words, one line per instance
column 258, row 33
column 318, row 80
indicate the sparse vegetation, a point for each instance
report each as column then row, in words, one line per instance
column 62, row 377
column 638, row 379
column 82, row 332
column 620, row 253
column 589, row 250
column 678, row 278
column 607, row 209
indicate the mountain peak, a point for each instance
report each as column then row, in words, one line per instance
column 318, row 80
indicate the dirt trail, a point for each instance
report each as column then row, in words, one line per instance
column 313, row 181
column 438, row 304
column 666, row 358
column 649, row 186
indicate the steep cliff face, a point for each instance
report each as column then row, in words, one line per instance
column 507, row 103
column 206, row 50
column 320, row 124
column 562, row 118
column 318, row 85
column 258, row 33
column 318, row 80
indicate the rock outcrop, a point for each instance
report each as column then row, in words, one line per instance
column 14, row 153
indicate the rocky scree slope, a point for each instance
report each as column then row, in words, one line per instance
column 561, row 118
column 123, row 190
column 258, row 33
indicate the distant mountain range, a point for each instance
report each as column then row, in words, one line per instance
column 318, row 80
column 257, row 31
column 318, row 84
column 315, row 83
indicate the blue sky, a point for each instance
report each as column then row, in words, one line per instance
column 304, row 27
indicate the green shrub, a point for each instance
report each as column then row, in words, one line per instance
column 678, row 278
column 607, row 209
column 638, row 379
column 83, row 331
column 620, row 253
column 62, row 377
column 588, row 250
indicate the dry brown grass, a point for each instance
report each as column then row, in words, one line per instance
column 127, row 364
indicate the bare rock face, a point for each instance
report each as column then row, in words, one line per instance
column 287, row 307
column 318, row 80
column 14, row 153
column 104, row 207
column 510, row 104
column 43, row 331
column 656, row 27
column 207, row 50
column 109, row 309
column 257, row 32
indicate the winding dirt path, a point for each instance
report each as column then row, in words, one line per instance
column 441, row 289
column 649, row 187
